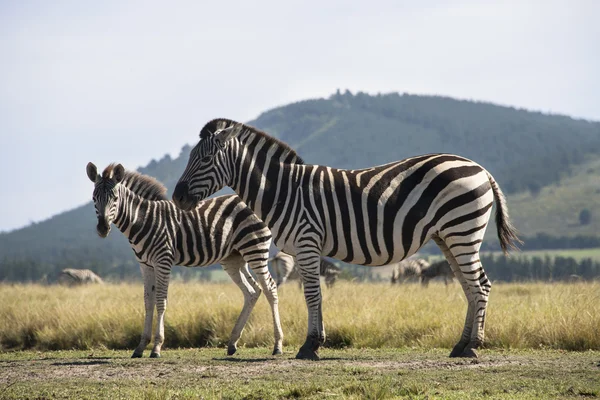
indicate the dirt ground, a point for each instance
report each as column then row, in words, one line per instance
column 208, row 373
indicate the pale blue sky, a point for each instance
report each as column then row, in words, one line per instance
column 129, row 81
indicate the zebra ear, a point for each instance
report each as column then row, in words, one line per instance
column 92, row 172
column 118, row 173
column 224, row 135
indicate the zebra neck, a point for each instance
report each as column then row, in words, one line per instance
column 261, row 179
column 131, row 211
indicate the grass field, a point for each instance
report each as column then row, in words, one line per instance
column 557, row 316
column 383, row 342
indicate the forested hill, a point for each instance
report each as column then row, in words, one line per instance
column 520, row 148
column 525, row 151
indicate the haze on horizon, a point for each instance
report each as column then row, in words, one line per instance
column 86, row 81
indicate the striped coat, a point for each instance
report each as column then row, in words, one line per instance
column 222, row 229
column 373, row 216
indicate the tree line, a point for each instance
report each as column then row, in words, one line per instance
column 497, row 267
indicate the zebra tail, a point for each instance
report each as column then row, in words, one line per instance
column 507, row 234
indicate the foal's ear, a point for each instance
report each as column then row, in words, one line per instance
column 118, row 173
column 225, row 135
column 92, row 172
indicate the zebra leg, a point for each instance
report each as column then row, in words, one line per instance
column 466, row 334
column 235, row 266
column 308, row 262
column 149, row 300
column 270, row 288
column 163, row 274
column 480, row 287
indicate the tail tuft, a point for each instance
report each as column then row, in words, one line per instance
column 506, row 231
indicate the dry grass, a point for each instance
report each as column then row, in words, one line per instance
column 558, row 316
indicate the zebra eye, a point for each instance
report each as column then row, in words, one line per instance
column 206, row 159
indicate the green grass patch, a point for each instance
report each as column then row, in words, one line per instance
column 345, row 374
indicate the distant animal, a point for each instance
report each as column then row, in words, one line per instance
column 408, row 269
column 74, row 277
column 372, row 216
column 441, row 268
column 285, row 268
column 222, row 229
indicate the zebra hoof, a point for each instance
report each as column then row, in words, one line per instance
column 231, row 350
column 307, row 354
column 277, row 352
column 469, row 352
column 136, row 355
column 154, row 355
column 458, row 350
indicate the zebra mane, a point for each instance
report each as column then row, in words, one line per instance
column 222, row 123
column 143, row 185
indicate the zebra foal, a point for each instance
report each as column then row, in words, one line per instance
column 222, row 230
column 373, row 216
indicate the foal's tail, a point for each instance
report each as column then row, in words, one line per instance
column 506, row 231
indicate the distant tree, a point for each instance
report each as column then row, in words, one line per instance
column 585, row 217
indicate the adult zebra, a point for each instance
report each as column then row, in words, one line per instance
column 440, row 268
column 409, row 268
column 373, row 216
column 222, row 230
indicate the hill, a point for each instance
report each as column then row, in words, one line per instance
column 529, row 153
column 523, row 150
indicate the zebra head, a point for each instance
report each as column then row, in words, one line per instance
column 207, row 170
column 106, row 195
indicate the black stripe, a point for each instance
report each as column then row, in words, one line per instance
column 466, row 217
column 454, row 203
column 327, row 189
column 399, row 196
column 421, row 208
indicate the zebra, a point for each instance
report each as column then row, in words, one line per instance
column 285, row 269
column 72, row 277
column 373, row 216
column 409, row 268
column 222, row 229
column 440, row 268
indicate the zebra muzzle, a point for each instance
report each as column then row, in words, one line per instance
column 181, row 196
column 102, row 228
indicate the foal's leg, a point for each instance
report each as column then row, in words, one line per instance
column 149, row 302
column 163, row 275
column 259, row 266
column 234, row 265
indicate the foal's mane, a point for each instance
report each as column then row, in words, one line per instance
column 222, row 123
column 143, row 185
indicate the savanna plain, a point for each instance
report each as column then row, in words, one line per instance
column 542, row 341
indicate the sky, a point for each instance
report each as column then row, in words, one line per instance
column 130, row 81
